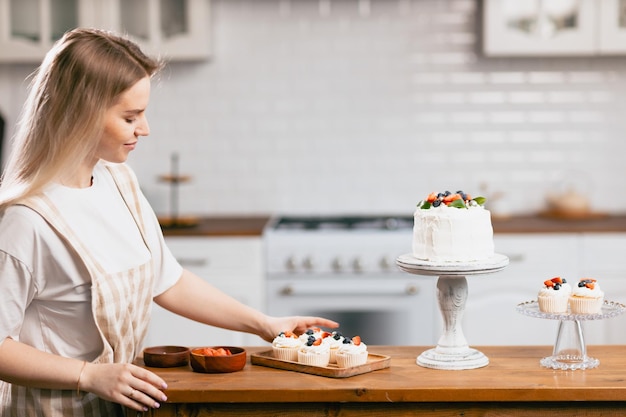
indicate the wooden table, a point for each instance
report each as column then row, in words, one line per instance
column 513, row 384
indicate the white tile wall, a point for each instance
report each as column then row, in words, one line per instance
column 365, row 106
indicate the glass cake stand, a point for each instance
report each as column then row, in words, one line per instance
column 570, row 350
column 452, row 351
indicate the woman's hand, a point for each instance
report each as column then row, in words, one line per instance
column 126, row 384
column 296, row 324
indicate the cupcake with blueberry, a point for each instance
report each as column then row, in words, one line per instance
column 313, row 331
column 334, row 341
column 314, row 352
column 587, row 297
column 285, row 346
column 554, row 295
column 353, row 352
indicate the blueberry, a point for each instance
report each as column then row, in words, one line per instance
column 557, row 286
column 436, row 203
column 447, row 193
column 310, row 341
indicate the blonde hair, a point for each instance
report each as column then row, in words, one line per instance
column 62, row 119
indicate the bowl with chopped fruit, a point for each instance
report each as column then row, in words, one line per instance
column 217, row 359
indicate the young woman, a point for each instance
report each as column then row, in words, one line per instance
column 82, row 255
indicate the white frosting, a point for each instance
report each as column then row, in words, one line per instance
column 596, row 292
column 332, row 342
column 282, row 341
column 450, row 234
column 564, row 291
column 551, row 292
column 351, row 348
column 316, row 332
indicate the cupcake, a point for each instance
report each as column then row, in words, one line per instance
column 314, row 352
column 352, row 352
column 554, row 295
column 587, row 297
column 334, row 341
column 313, row 331
column 285, row 346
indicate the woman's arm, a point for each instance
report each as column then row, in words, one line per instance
column 196, row 299
column 127, row 384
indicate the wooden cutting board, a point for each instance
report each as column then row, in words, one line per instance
column 374, row 362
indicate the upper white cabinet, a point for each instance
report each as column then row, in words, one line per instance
column 29, row 28
column 612, row 27
column 553, row 27
column 173, row 29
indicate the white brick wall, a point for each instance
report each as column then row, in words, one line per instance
column 365, row 106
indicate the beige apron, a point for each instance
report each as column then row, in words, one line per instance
column 121, row 304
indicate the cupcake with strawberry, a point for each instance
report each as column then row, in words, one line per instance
column 587, row 297
column 554, row 295
column 334, row 341
column 353, row 352
column 285, row 346
column 314, row 352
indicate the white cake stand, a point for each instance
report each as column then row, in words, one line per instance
column 452, row 351
column 570, row 350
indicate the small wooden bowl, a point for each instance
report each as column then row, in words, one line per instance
column 218, row 364
column 166, row 356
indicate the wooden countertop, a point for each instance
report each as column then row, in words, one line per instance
column 254, row 225
column 546, row 224
column 222, row 226
column 513, row 375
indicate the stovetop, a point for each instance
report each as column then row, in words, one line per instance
column 345, row 223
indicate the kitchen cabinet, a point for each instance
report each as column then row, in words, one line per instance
column 603, row 256
column 490, row 315
column 612, row 27
column 232, row 264
column 173, row 29
column 553, row 28
column 29, row 28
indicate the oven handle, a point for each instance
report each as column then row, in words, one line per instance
column 293, row 291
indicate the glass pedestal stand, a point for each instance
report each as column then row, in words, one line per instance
column 570, row 349
column 452, row 351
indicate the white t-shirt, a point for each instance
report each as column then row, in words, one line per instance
column 45, row 295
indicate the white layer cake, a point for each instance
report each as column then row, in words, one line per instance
column 452, row 234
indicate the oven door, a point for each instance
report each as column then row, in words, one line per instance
column 382, row 310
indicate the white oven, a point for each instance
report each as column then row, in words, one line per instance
column 343, row 268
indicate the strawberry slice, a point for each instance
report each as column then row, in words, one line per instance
column 356, row 340
column 548, row 283
column 557, row 280
column 317, row 342
column 431, row 197
column 451, row 198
